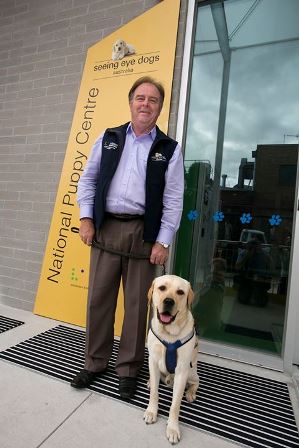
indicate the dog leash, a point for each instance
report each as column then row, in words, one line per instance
column 119, row 252
column 149, row 307
column 125, row 254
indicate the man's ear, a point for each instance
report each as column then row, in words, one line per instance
column 190, row 297
column 150, row 292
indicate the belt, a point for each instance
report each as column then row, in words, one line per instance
column 123, row 216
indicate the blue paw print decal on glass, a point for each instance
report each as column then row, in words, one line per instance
column 193, row 215
column 218, row 216
column 246, row 218
column 275, row 220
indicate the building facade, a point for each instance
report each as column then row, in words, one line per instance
column 233, row 108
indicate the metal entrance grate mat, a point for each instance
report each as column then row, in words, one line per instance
column 243, row 408
column 6, row 323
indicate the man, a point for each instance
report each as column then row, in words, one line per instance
column 254, row 265
column 130, row 197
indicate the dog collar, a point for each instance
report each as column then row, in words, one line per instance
column 171, row 349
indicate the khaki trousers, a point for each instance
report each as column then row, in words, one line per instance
column 106, row 271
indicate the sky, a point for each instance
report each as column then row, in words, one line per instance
column 263, row 100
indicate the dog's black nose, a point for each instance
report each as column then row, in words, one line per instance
column 168, row 302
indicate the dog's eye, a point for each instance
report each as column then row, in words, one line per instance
column 162, row 288
column 180, row 292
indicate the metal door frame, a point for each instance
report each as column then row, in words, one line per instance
column 250, row 356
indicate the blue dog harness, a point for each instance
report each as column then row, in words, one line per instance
column 171, row 350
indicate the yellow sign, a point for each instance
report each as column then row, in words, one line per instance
column 145, row 46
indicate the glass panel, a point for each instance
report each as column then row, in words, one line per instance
column 241, row 165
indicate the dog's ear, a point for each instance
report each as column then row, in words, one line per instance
column 150, row 292
column 190, row 297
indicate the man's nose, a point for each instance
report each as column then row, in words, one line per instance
column 145, row 102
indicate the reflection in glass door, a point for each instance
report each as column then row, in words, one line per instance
column 241, row 155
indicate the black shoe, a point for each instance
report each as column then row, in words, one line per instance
column 127, row 387
column 83, row 379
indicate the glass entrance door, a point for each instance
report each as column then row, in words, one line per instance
column 241, row 151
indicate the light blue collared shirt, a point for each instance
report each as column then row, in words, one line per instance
column 126, row 193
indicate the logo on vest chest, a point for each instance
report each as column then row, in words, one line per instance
column 110, row 145
column 158, row 157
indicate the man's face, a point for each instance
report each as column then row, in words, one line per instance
column 145, row 106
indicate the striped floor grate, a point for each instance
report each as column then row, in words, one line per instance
column 6, row 323
column 247, row 409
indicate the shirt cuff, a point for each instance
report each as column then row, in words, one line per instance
column 86, row 211
column 165, row 236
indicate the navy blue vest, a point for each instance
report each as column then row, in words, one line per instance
column 160, row 153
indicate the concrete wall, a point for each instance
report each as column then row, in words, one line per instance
column 42, row 51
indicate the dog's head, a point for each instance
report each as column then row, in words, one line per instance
column 119, row 46
column 171, row 297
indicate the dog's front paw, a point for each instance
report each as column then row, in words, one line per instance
column 150, row 416
column 173, row 433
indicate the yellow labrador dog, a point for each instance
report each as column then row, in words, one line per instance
column 172, row 346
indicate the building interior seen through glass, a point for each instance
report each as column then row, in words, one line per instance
column 241, row 150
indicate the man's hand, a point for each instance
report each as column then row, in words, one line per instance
column 159, row 254
column 86, row 230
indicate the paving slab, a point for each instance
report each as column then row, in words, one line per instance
column 107, row 423
column 32, row 406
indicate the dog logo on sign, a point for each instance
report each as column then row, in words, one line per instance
column 120, row 49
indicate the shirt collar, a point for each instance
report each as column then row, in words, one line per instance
column 151, row 133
